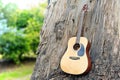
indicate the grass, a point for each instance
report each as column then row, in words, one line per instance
column 23, row 72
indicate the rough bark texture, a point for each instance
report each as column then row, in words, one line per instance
column 101, row 27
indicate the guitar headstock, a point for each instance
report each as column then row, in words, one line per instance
column 85, row 8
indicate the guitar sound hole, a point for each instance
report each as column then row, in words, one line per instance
column 76, row 46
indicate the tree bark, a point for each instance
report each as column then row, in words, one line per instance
column 101, row 27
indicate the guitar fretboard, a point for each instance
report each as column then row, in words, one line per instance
column 80, row 27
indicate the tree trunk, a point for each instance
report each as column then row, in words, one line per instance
column 101, row 27
column 48, row 1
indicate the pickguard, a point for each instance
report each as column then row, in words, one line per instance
column 81, row 50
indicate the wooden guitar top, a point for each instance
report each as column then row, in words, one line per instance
column 76, row 61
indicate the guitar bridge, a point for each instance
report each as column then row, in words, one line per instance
column 74, row 58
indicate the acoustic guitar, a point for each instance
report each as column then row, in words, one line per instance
column 76, row 59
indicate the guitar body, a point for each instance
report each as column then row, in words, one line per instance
column 76, row 62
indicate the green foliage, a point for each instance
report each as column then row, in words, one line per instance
column 32, row 32
column 43, row 5
column 1, row 5
column 33, row 28
column 9, row 12
column 22, row 18
column 13, row 45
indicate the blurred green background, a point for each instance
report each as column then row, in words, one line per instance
column 19, row 38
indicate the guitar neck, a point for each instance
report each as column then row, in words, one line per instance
column 80, row 28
